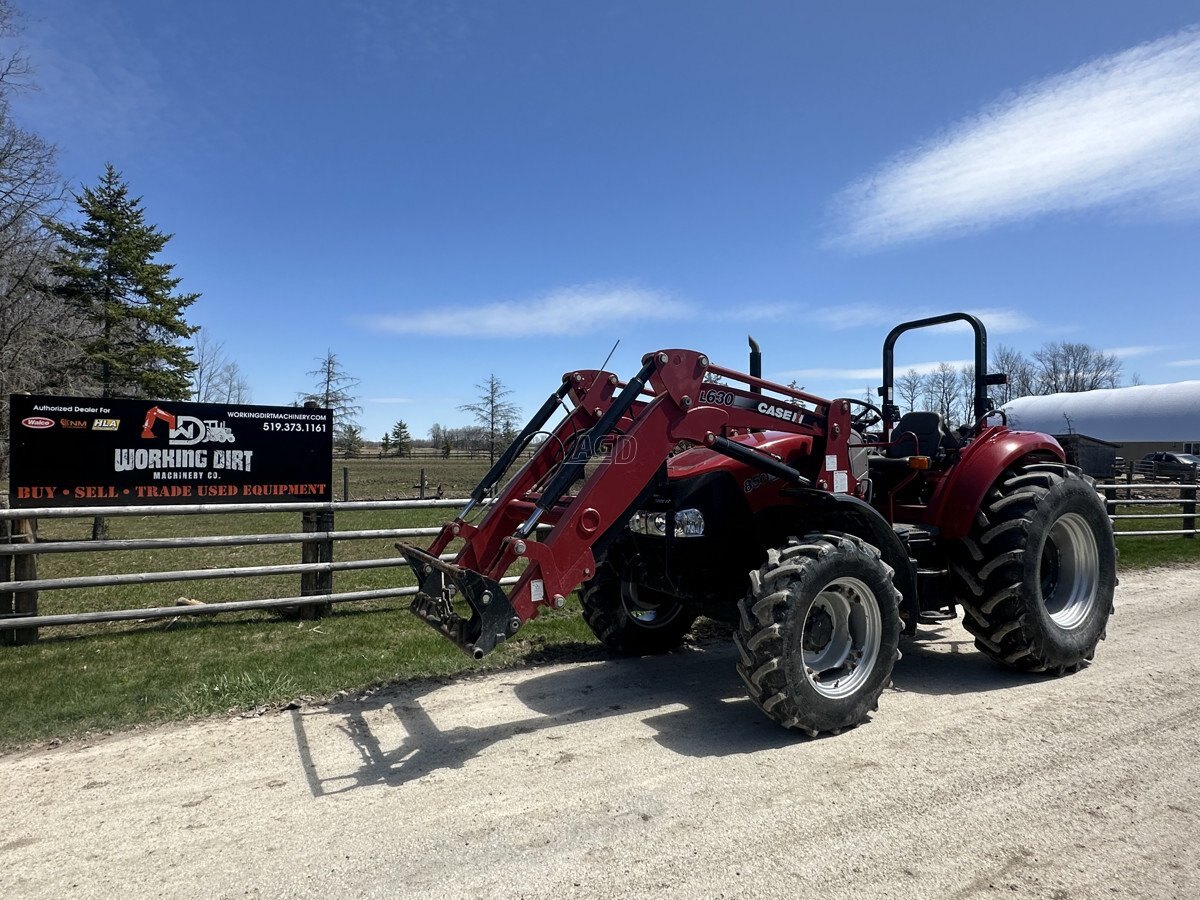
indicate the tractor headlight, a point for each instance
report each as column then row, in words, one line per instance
column 688, row 523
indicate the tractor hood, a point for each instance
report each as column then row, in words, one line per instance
column 700, row 460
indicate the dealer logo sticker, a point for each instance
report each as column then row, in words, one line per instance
column 73, row 423
column 105, row 424
column 38, row 422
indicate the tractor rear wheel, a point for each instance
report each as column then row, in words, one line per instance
column 818, row 632
column 631, row 619
column 1036, row 574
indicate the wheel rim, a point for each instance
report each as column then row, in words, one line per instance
column 648, row 608
column 1069, row 571
column 841, row 638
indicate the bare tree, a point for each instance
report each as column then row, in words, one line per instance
column 217, row 378
column 941, row 391
column 39, row 342
column 209, row 357
column 229, row 385
column 1022, row 381
column 966, row 393
column 493, row 413
column 1065, row 367
column 910, row 387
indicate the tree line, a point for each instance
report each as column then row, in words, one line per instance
column 496, row 422
column 1056, row 367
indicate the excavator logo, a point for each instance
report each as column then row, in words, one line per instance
column 184, row 431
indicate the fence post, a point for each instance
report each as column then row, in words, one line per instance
column 1110, row 500
column 345, row 482
column 1188, row 496
column 6, row 597
column 22, row 568
column 316, row 583
column 422, row 485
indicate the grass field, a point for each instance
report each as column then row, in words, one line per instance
column 394, row 478
column 82, row 679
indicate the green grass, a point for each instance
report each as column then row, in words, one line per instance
column 92, row 678
column 394, row 477
column 81, row 679
column 1147, row 551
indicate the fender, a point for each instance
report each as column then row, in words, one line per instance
column 957, row 498
column 845, row 512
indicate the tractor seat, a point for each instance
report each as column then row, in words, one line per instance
column 930, row 434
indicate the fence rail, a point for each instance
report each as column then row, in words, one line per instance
column 1186, row 501
column 20, row 549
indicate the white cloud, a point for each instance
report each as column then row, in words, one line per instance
column 1184, row 363
column 923, row 368
column 1120, row 131
column 569, row 310
column 753, row 311
column 1126, row 352
column 845, row 316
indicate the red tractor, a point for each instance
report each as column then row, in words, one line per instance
column 823, row 529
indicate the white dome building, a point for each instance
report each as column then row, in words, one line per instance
column 1138, row 419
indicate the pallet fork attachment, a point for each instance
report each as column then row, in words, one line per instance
column 493, row 619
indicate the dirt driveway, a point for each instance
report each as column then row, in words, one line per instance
column 654, row 778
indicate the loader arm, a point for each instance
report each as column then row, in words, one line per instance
column 544, row 527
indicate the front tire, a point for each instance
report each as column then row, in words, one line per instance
column 1037, row 572
column 818, row 633
column 631, row 619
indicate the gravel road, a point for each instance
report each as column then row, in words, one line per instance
column 654, row 777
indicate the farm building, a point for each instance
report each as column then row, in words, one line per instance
column 1138, row 419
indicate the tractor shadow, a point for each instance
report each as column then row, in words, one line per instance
column 691, row 702
column 943, row 661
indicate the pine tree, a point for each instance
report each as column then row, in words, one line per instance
column 401, row 439
column 385, row 445
column 333, row 390
column 106, row 269
column 494, row 414
column 349, row 441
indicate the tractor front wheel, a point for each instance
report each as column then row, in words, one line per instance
column 1037, row 572
column 631, row 619
column 818, row 633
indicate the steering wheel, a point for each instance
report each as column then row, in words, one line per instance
column 865, row 418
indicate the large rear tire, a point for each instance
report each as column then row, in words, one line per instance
column 1037, row 573
column 631, row 619
column 818, row 633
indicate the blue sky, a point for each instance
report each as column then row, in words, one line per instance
column 436, row 191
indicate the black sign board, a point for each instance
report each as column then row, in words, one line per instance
column 77, row 451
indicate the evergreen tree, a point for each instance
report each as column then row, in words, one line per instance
column 493, row 413
column 333, row 390
column 349, row 441
column 401, row 439
column 106, row 269
column 385, row 445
